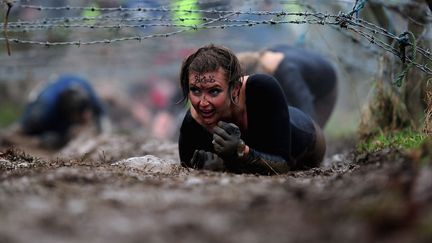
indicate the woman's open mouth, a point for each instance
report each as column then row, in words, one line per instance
column 207, row 114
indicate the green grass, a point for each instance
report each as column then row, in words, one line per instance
column 405, row 139
column 9, row 113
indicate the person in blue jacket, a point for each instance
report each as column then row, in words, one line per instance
column 61, row 109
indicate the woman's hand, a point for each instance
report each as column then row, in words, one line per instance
column 227, row 142
column 207, row 160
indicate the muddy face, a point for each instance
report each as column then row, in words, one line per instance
column 209, row 96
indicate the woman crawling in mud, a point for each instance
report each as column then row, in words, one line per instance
column 241, row 123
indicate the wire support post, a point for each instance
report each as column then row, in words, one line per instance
column 9, row 6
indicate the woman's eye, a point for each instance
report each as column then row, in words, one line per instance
column 215, row 92
column 194, row 90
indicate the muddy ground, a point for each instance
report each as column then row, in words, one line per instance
column 101, row 197
column 89, row 192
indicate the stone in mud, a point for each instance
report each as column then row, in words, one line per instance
column 148, row 163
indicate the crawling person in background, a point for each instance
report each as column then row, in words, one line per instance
column 241, row 124
column 308, row 79
column 60, row 111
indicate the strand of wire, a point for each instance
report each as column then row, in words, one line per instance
column 391, row 6
column 357, row 7
column 322, row 20
column 346, row 34
column 379, row 30
column 372, row 27
column 102, row 20
column 366, row 25
column 165, row 34
column 119, row 26
column 123, row 22
column 166, row 10
column 382, row 44
column 346, row 20
column 109, row 41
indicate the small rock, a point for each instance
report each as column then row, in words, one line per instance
column 148, row 163
column 23, row 165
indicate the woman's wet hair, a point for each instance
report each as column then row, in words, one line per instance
column 210, row 58
column 73, row 101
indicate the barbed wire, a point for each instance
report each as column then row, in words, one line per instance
column 160, row 9
column 108, row 41
column 382, row 44
column 187, row 27
column 373, row 29
column 123, row 24
column 368, row 31
column 65, row 20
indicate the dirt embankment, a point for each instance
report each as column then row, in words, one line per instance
column 99, row 197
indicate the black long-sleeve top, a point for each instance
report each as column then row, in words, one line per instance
column 273, row 127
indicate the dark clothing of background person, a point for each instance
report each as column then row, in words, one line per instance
column 308, row 80
column 44, row 116
column 273, row 127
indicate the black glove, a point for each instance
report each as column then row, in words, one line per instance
column 206, row 160
column 226, row 140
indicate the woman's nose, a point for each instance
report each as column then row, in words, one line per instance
column 204, row 100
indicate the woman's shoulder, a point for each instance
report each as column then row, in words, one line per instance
column 191, row 132
column 261, row 79
column 189, row 124
column 262, row 83
column 187, row 120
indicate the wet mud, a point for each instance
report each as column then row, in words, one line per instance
column 132, row 189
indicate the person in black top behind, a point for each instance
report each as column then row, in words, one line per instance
column 308, row 80
column 239, row 123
